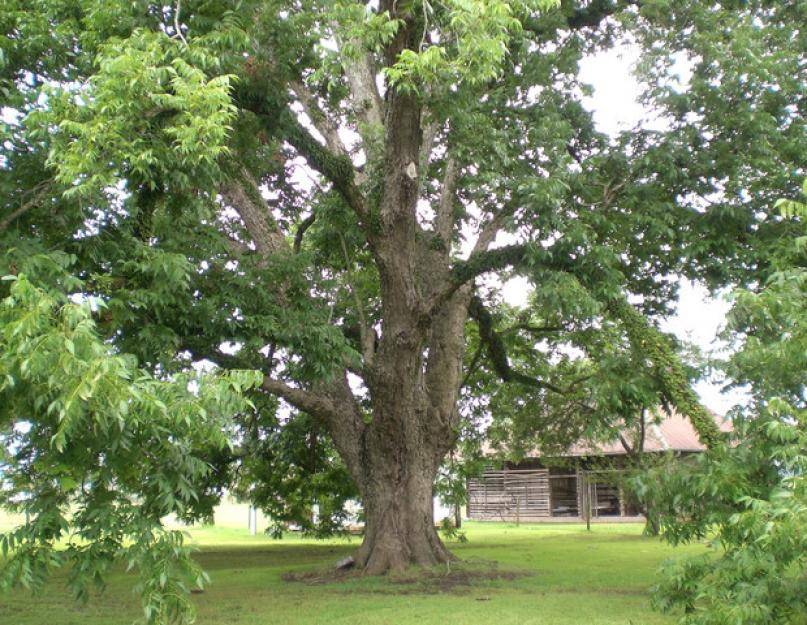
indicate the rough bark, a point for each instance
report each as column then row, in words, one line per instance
column 414, row 421
column 397, row 497
column 413, row 376
column 415, row 373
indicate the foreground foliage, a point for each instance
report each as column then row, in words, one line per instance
column 751, row 498
column 97, row 451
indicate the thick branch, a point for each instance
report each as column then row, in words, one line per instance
column 479, row 262
column 488, row 234
column 243, row 194
column 236, row 247
column 38, row 193
column 646, row 339
column 338, row 169
column 444, row 219
column 334, row 401
column 305, row 224
column 314, row 404
column 497, row 352
column 491, row 229
column 326, row 127
column 430, row 129
column 364, row 97
column 403, row 139
column 652, row 344
column 557, row 257
column 367, row 334
column 487, row 260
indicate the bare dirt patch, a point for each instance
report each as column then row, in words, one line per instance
column 456, row 578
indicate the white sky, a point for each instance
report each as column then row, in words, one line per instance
column 616, row 107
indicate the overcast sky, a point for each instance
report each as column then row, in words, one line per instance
column 616, row 108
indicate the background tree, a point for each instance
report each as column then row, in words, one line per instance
column 320, row 191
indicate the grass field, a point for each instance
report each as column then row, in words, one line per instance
column 566, row 576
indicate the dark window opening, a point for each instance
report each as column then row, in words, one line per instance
column 605, row 499
column 563, row 493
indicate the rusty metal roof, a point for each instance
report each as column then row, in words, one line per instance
column 665, row 431
column 672, row 432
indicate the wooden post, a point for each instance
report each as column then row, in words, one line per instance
column 621, row 495
column 587, row 499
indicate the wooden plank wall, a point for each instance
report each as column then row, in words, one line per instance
column 516, row 495
column 510, row 494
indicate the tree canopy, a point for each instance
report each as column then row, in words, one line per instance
column 331, row 194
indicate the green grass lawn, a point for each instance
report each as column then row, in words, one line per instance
column 572, row 577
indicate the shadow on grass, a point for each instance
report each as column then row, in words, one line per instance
column 269, row 556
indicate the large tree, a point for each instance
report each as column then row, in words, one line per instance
column 326, row 191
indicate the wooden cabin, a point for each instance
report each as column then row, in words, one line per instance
column 582, row 484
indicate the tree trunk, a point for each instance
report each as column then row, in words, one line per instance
column 402, row 449
column 412, row 362
column 651, row 527
column 399, row 513
column 413, row 427
column 394, row 456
